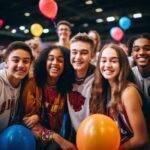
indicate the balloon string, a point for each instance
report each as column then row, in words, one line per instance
column 54, row 22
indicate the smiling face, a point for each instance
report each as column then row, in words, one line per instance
column 64, row 32
column 109, row 64
column 141, row 52
column 80, row 56
column 18, row 64
column 55, row 64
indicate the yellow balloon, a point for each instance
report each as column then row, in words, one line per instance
column 36, row 29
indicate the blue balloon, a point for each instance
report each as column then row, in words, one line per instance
column 125, row 23
column 17, row 137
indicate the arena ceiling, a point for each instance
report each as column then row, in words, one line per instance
column 83, row 17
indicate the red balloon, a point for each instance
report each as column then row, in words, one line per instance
column 48, row 8
column 116, row 33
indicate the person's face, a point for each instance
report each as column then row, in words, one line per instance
column 55, row 64
column 18, row 64
column 63, row 32
column 35, row 46
column 93, row 36
column 80, row 56
column 109, row 64
column 141, row 52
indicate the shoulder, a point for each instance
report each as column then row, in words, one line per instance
column 131, row 95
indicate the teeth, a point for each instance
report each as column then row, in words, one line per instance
column 142, row 59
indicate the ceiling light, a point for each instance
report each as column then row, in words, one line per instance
column 89, row 2
column 26, row 31
column 45, row 30
column 7, row 27
column 99, row 20
column 98, row 10
column 85, row 25
column 13, row 31
column 22, row 28
column 27, row 14
column 110, row 19
column 137, row 15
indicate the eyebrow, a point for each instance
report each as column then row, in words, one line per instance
column 111, row 57
column 21, row 58
column 56, row 56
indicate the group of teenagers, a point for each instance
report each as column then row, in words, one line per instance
column 66, row 88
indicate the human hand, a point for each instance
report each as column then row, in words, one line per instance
column 31, row 120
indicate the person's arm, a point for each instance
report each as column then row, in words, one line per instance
column 132, row 102
column 46, row 136
column 31, row 101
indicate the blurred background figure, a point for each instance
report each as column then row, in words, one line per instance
column 94, row 35
column 64, row 33
column 35, row 45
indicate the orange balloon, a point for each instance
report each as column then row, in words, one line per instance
column 98, row 132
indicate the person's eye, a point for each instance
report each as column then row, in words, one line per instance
column 61, row 60
column 50, row 58
column 26, row 61
column 146, row 48
column 136, row 48
column 74, row 53
column 102, row 60
column 15, row 60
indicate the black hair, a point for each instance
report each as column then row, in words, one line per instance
column 66, row 79
column 64, row 22
column 18, row 45
column 132, row 39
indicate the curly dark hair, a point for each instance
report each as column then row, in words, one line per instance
column 132, row 39
column 67, row 78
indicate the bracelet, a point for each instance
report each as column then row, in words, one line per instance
column 47, row 135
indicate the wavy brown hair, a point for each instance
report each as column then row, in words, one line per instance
column 101, row 85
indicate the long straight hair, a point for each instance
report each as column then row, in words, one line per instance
column 101, row 85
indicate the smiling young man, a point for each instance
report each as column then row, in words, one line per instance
column 81, row 47
column 18, row 58
column 64, row 33
column 140, row 50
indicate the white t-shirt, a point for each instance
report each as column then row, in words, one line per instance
column 8, row 99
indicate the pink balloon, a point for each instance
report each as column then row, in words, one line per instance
column 1, row 22
column 48, row 8
column 116, row 33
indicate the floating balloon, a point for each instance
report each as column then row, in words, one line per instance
column 17, row 137
column 98, row 132
column 48, row 8
column 36, row 29
column 125, row 23
column 1, row 22
column 116, row 33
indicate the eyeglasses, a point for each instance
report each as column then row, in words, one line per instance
column 137, row 48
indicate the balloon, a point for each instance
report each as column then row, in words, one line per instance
column 98, row 132
column 1, row 23
column 116, row 33
column 48, row 8
column 125, row 23
column 17, row 137
column 36, row 29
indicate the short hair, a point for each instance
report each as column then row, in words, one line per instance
column 132, row 39
column 83, row 37
column 64, row 22
column 18, row 45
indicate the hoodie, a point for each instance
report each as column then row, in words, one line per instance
column 8, row 100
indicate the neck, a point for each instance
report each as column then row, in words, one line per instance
column 13, row 81
column 145, row 71
column 64, row 42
